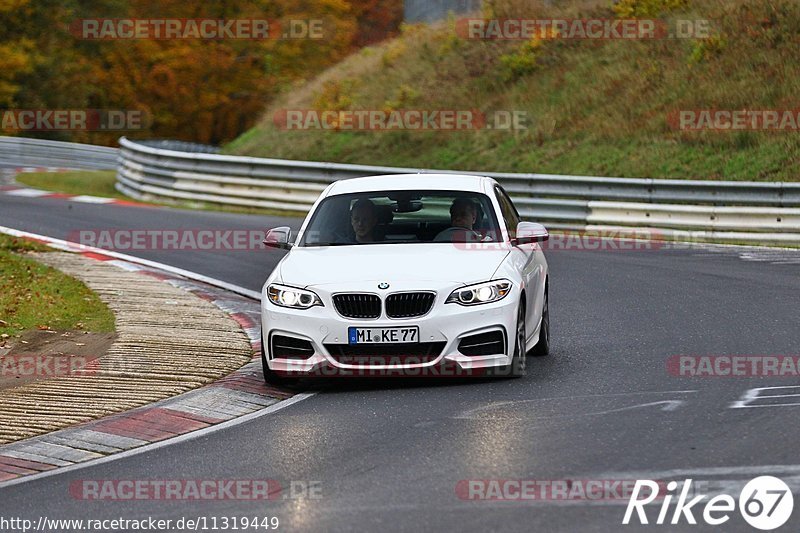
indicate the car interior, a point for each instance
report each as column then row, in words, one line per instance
column 400, row 218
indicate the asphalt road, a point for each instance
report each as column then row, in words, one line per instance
column 389, row 455
column 63, row 219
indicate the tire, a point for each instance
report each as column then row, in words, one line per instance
column 271, row 378
column 543, row 346
column 518, row 361
column 516, row 369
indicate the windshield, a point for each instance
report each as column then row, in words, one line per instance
column 382, row 217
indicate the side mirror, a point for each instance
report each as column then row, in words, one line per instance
column 530, row 232
column 278, row 238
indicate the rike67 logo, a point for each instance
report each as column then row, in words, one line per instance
column 766, row 503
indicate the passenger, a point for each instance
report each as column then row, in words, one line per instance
column 463, row 215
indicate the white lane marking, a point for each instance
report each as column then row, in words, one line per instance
column 161, row 444
column 30, row 193
column 721, row 248
column 772, row 255
column 669, row 405
column 750, row 470
column 91, row 199
column 124, row 265
column 76, row 247
column 673, row 404
column 786, row 258
column 752, row 395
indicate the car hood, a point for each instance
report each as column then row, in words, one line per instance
column 446, row 262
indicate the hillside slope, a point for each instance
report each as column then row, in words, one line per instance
column 593, row 107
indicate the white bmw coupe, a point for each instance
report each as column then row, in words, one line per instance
column 419, row 274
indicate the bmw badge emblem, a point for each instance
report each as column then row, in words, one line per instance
column 383, row 285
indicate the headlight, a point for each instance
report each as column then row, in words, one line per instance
column 292, row 297
column 482, row 293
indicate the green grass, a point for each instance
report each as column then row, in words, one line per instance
column 16, row 244
column 90, row 182
column 34, row 296
column 593, row 107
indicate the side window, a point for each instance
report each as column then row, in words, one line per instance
column 510, row 215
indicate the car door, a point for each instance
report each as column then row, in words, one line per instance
column 526, row 260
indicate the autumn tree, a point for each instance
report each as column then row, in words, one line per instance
column 193, row 89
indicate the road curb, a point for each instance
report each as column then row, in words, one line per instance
column 30, row 192
column 237, row 394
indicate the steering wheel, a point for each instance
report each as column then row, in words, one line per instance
column 447, row 234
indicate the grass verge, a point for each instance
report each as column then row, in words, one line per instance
column 35, row 296
column 591, row 107
column 90, row 182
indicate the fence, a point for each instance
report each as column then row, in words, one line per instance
column 23, row 152
column 742, row 212
column 755, row 212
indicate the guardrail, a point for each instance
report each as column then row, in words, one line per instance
column 23, row 152
column 755, row 212
column 746, row 212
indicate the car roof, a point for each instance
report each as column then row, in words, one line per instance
column 403, row 182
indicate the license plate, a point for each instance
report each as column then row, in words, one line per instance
column 382, row 335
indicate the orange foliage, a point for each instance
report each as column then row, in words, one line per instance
column 206, row 91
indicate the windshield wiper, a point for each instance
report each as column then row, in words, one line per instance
column 310, row 244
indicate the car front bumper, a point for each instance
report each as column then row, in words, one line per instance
column 446, row 324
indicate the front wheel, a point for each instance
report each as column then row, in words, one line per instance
column 272, row 378
column 516, row 369
column 543, row 346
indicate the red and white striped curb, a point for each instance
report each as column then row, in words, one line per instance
column 22, row 170
column 14, row 189
column 28, row 192
column 239, row 394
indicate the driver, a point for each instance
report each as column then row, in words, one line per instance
column 363, row 219
column 463, row 214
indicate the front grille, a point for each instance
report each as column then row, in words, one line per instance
column 409, row 304
column 282, row 347
column 493, row 342
column 383, row 354
column 358, row 305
